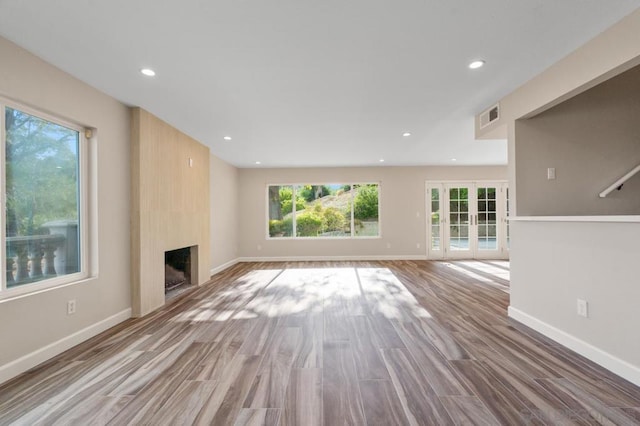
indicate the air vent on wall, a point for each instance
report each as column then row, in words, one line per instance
column 489, row 116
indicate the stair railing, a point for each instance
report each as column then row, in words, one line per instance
column 618, row 184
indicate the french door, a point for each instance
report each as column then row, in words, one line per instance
column 467, row 220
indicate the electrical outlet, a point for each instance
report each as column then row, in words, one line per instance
column 71, row 307
column 583, row 308
column 417, row 245
column 259, row 247
column 388, row 245
column 551, row 173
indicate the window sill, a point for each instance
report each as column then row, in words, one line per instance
column 33, row 289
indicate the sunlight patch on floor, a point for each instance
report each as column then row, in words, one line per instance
column 231, row 298
column 302, row 291
column 498, row 270
column 487, row 274
column 386, row 295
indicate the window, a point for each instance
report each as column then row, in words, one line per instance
column 323, row 211
column 280, row 211
column 42, row 169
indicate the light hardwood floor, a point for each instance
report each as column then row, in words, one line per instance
column 378, row 343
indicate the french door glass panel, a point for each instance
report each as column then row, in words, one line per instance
column 506, row 219
column 435, row 240
column 487, row 235
column 459, row 219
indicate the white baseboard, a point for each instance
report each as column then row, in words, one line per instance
column 620, row 367
column 329, row 258
column 26, row 362
column 224, row 266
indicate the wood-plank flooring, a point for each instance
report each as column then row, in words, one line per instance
column 311, row 343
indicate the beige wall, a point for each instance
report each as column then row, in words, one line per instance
column 170, row 205
column 591, row 140
column 30, row 323
column 402, row 209
column 224, row 213
column 555, row 261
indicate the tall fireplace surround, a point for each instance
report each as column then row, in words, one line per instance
column 169, row 206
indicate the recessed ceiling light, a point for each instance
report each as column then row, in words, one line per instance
column 453, row 159
column 227, row 138
column 476, row 64
column 148, row 72
column 258, row 162
column 406, row 134
column 382, row 160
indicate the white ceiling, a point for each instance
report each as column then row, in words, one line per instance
column 313, row 83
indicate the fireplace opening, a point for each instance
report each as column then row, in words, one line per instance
column 177, row 270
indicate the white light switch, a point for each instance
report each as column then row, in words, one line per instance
column 551, row 173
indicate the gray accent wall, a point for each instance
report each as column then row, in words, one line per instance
column 591, row 140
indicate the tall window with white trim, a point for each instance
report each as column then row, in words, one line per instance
column 42, row 188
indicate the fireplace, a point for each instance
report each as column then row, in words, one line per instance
column 177, row 270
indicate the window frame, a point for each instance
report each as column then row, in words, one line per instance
column 84, row 209
column 352, row 235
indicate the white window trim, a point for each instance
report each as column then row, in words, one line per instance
column 84, row 210
column 350, row 237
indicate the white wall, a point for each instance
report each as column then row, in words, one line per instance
column 35, row 327
column 555, row 263
column 224, row 213
column 402, row 210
